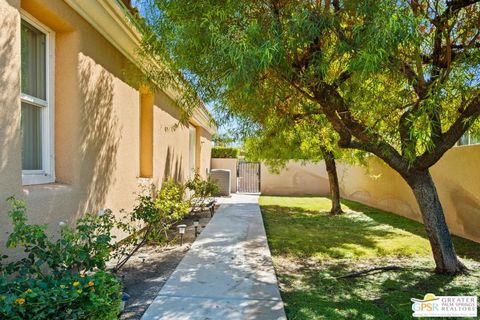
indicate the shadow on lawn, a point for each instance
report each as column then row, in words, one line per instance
column 306, row 233
column 383, row 296
column 382, row 238
column 465, row 248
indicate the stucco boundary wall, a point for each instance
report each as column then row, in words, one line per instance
column 227, row 164
column 456, row 177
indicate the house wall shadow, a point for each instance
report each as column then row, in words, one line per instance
column 173, row 166
column 171, row 141
column 100, row 134
column 10, row 143
column 96, row 122
column 9, row 99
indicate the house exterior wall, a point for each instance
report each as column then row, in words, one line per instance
column 97, row 122
column 456, row 176
column 205, row 151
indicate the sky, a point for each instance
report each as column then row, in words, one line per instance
column 142, row 6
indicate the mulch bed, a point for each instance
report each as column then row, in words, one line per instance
column 149, row 268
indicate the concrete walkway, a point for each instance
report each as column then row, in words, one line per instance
column 227, row 273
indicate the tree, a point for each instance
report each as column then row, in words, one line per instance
column 222, row 139
column 279, row 139
column 397, row 79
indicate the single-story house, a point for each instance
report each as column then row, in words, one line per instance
column 76, row 135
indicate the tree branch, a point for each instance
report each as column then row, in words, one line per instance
column 347, row 126
column 365, row 272
column 442, row 26
column 413, row 78
column 404, row 125
column 468, row 115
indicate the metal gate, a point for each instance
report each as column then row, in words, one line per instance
column 248, row 177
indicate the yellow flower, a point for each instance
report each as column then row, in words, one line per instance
column 76, row 283
column 90, row 283
column 20, row 301
column 62, row 286
column 79, row 291
column 28, row 291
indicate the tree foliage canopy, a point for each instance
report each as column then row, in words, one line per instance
column 394, row 78
column 280, row 139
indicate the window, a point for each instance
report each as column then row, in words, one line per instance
column 36, row 102
column 468, row 139
column 193, row 149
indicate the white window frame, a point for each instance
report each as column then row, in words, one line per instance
column 192, row 167
column 47, row 174
column 468, row 134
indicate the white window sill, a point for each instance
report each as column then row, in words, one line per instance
column 468, row 145
column 47, row 187
column 32, row 179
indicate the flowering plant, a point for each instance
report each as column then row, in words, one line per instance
column 62, row 279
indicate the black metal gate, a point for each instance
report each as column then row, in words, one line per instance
column 248, row 177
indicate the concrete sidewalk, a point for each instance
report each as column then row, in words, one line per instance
column 227, row 273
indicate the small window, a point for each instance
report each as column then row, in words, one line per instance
column 36, row 103
column 468, row 139
column 192, row 150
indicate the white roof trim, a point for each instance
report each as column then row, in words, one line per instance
column 109, row 19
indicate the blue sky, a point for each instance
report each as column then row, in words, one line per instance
column 141, row 5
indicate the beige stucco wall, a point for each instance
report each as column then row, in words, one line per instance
column 171, row 148
column 10, row 139
column 227, row 164
column 296, row 179
column 97, row 126
column 205, row 152
column 456, row 176
column 457, row 179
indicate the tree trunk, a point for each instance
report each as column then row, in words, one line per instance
column 333, row 181
column 435, row 225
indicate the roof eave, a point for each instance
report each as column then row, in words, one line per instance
column 110, row 20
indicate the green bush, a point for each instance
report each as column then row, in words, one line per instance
column 159, row 213
column 225, row 152
column 62, row 279
column 72, row 296
column 202, row 188
column 153, row 215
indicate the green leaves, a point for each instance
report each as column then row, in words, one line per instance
column 61, row 279
column 383, row 61
column 159, row 213
column 201, row 188
column 225, row 152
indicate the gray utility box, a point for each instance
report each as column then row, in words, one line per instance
column 222, row 177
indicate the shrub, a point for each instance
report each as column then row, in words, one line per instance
column 172, row 206
column 225, row 152
column 72, row 296
column 202, row 188
column 62, row 279
column 156, row 215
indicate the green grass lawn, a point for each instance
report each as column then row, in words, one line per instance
column 311, row 249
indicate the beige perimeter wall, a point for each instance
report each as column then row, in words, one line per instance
column 297, row 179
column 97, row 127
column 456, row 176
